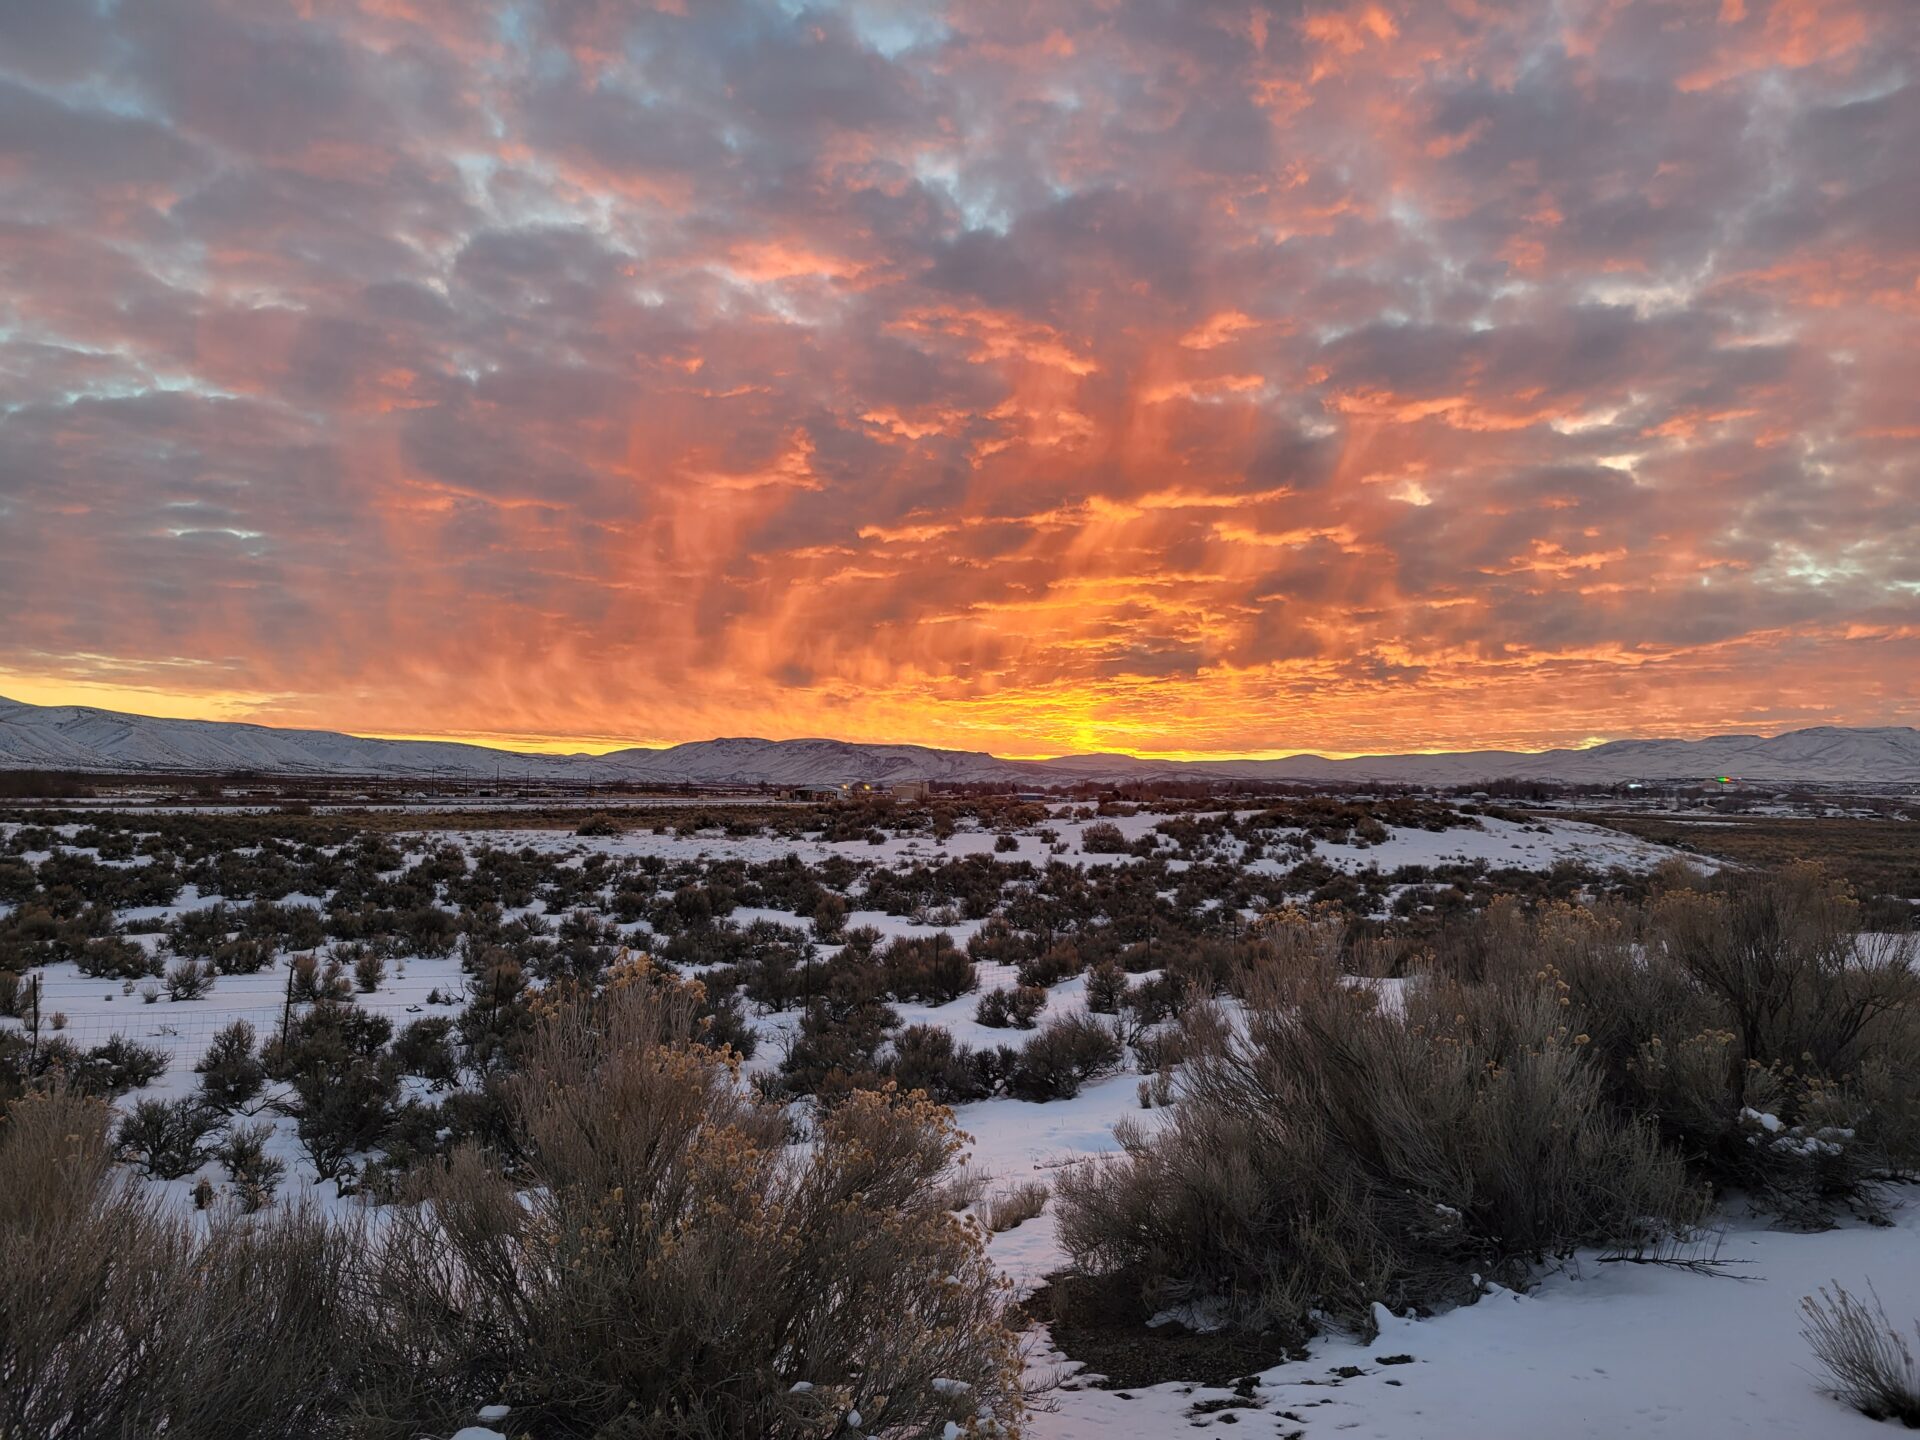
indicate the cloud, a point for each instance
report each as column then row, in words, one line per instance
column 1223, row 376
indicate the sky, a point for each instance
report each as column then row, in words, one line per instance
column 1173, row 376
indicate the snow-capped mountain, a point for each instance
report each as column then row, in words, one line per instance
column 78, row 738
column 1825, row 755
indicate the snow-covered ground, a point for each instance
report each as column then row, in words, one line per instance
column 1595, row 1350
column 1497, row 842
column 1016, row 1141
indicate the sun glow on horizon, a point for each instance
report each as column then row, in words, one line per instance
column 511, row 744
column 1008, row 738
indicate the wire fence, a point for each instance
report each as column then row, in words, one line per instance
column 79, row 1011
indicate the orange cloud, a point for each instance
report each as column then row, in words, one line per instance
column 1085, row 374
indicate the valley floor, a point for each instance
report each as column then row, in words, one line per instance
column 1597, row 1349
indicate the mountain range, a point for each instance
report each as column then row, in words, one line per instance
column 66, row 737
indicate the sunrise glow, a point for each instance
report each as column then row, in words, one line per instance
column 1188, row 380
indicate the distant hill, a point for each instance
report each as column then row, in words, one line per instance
column 65, row 737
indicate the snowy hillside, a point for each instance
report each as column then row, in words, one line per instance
column 71, row 737
column 800, row 762
column 79, row 738
column 1827, row 754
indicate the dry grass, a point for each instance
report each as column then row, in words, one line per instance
column 1870, row 1363
column 965, row 1189
column 1015, row 1205
column 1877, row 857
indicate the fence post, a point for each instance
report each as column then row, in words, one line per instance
column 33, row 1045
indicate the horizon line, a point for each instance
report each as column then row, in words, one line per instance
column 511, row 745
column 560, row 746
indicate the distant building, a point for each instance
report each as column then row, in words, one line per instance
column 910, row 789
column 828, row 790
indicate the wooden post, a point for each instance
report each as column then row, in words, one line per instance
column 286, row 1009
column 33, row 1047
